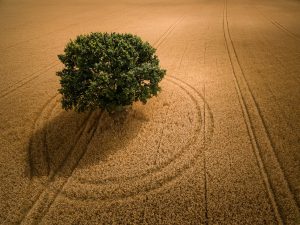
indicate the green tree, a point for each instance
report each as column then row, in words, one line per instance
column 108, row 71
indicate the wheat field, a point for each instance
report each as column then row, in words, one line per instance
column 218, row 145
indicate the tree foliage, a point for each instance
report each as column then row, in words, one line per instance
column 108, row 71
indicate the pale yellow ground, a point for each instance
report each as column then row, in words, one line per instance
column 219, row 145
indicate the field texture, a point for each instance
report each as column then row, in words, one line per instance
column 219, row 145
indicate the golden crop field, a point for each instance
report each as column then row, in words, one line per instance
column 220, row 144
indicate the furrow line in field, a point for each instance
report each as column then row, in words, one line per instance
column 56, row 182
column 183, row 55
column 32, row 167
column 209, row 110
column 205, row 173
column 273, row 54
column 73, row 146
column 277, row 24
column 165, row 121
column 44, row 157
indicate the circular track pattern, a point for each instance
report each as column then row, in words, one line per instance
column 154, row 145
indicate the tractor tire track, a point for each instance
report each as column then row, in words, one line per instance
column 261, row 117
column 166, row 163
column 248, row 102
column 141, row 175
column 58, row 178
column 52, row 174
column 271, row 48
column 67, row 156
column 167, row 32
column 22, row 82
column 279, row 26
column 159, row 41
column 183, row 55
column 56, row 30
column 236, row 68
column 162, row 134
column 209, row 136
column 204, row 160
column 30, row 156
column 44, row 157
column 27, row 79
column 37, row 37
column 159, row 181
column 269, row 51
column 290, row 33
column 54, row 192
column 165, row 121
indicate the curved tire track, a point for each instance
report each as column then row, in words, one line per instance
column 159, row 181
column 157, row 43
column 109, row 181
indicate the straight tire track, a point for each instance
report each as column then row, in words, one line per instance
column 49, row 194
column 236, row 68
column 204, row 159
column 258, row 111
column 272, row 173
column 30, row 162
column 56, row 192
column 279, row 26
column 27, row 79
column 22, row 82
column 167, row 32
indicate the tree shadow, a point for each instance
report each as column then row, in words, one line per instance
column 58, row 146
